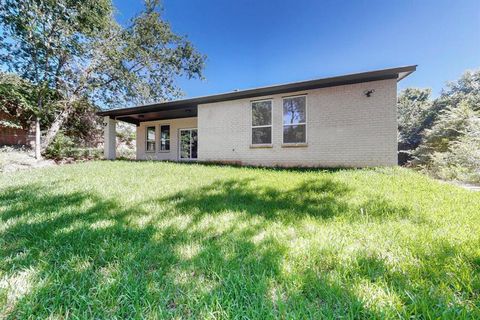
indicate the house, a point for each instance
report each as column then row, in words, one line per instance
column 344, row 121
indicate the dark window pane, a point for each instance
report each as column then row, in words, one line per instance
column 165, row 132
column 165, row 138
column 262, row 113
column 294, row 134
column 294, row 110
column 165, row 145
column 262, row 135
column 194, row 144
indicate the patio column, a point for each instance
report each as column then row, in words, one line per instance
column 109, row 135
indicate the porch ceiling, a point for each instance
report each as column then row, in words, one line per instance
column 164, row 114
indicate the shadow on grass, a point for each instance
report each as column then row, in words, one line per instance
column 91, row 257
column 266, row 168
column 316, row 198
column 321, row 199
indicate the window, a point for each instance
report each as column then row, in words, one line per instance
column 150, row 139
column 295, row 119
column 188, row 144
column 262, row 122
column 165, row 138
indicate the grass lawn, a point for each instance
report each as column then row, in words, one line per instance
column 164, row 240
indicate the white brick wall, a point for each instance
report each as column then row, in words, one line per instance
column 175, row 126
column 344, row 129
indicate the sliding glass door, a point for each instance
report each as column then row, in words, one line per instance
column 188, row 144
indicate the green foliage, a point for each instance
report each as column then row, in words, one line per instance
column 16, row 100
column 414, row 108
column 77, row 49
column 64, row 147
column 61, row 147
column 39, row 38
column 466, row 89
column 150, row 240
column 451, row 124
column 84, row 126
column 451, row 148
column 85, row 153
column 441, row 136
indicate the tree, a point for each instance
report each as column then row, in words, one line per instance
column 465, row 89
column 17, row 99
column 450, row 146
column 76, row 48
column 414, row 108
column 39, row 37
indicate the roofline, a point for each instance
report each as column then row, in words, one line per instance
column 392, row 73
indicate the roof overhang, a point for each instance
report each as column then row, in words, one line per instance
column 188, row 107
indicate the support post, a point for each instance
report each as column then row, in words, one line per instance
column 109, row 133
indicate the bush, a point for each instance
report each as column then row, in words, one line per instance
column 60, row 147
column 63, row 147
column 85, row 153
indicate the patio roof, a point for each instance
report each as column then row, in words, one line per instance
column 186, row 108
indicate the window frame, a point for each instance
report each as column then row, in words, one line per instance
column 154, row 139
column 179, row 154
column 304, row 143
column 262, row 126
column 169, row 138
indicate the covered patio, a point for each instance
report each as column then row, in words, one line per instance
column 150, row 115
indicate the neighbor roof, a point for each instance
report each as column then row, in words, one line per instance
column 188, row 107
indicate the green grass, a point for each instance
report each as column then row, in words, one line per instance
column 164, row 240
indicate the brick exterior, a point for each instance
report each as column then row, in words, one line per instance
column 344, row 129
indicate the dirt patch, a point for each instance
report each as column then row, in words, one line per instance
column 13, row 159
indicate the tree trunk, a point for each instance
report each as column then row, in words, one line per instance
column 55, row 127
column 38, row 133
column 38, row 154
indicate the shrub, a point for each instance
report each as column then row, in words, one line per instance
column 63, row 147
column 85, row 153
column 60, row 148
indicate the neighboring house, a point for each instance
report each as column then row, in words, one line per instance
column 345, row 121
column 15, row 136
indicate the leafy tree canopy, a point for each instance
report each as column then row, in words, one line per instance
column 450, row 138
column 17, row 99
column 76, row 48
column 414, row 106
column 466, row 89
